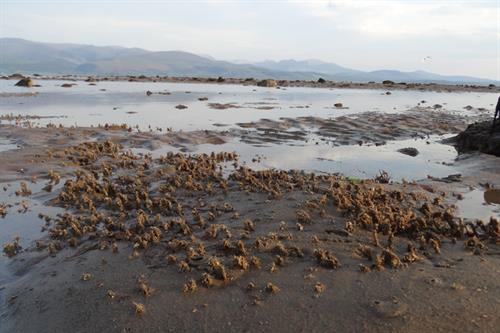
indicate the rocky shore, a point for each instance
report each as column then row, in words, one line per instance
column 277, row 84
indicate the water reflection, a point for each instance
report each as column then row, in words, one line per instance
column 480, row 204
column 127, row 102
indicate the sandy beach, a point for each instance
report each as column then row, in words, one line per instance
column 136, row 228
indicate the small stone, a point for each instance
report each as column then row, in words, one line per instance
column 410, row 151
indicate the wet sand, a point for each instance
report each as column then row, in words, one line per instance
column 363, row 128
column 187, row 242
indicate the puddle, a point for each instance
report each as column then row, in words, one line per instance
column 480, row 204
column 21, row 223
column 434, row 158
column 6, row 145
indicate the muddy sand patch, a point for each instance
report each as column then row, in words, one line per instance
column 369, row 127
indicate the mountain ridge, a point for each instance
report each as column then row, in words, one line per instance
column 24, row 56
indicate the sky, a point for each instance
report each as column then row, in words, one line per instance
column 453, row 37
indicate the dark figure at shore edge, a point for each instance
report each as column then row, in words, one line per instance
column 497, row 115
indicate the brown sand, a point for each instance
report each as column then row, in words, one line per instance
column 299, row 287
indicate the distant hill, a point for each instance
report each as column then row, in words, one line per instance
column 19, row 55
column 340, row 73
column 312, row 65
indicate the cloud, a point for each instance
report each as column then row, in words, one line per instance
column 401, row 19
column 154, row 35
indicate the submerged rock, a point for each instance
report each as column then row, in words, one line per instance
column 410, row 151
column 26, row 82
column 478, row 137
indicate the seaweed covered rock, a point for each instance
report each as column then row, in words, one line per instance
column 267, row 83
column 478, row 137
column 26, row 82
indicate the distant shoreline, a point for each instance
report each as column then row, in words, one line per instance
column 388, row 86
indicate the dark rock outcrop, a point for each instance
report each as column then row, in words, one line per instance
column 26, row 82
column 478, row 137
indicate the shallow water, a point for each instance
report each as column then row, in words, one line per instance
column 86, row 105
column 6, row 145
column 21, row 223
column 365, row 161
column 480, row 204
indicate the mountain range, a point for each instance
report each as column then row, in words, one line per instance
column 23, row 56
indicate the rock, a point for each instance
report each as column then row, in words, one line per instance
column 388, row 93
column 387, row 82
column 478, row 137
column 67, row 85
column 181, row 107
column 338, row 105
column 492, row 196
column 16, row 76
column 437, row 106
column 410, row 151
column 203, row 99
column 149, row 93
column 26, row 82
column 267, row 83
column 321, row 80
column 468, row 107
column 220, row 79
column 454, row 178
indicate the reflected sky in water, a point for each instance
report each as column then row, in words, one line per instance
column 127, row 102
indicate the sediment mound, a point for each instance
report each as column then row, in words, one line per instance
column 478, row 137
